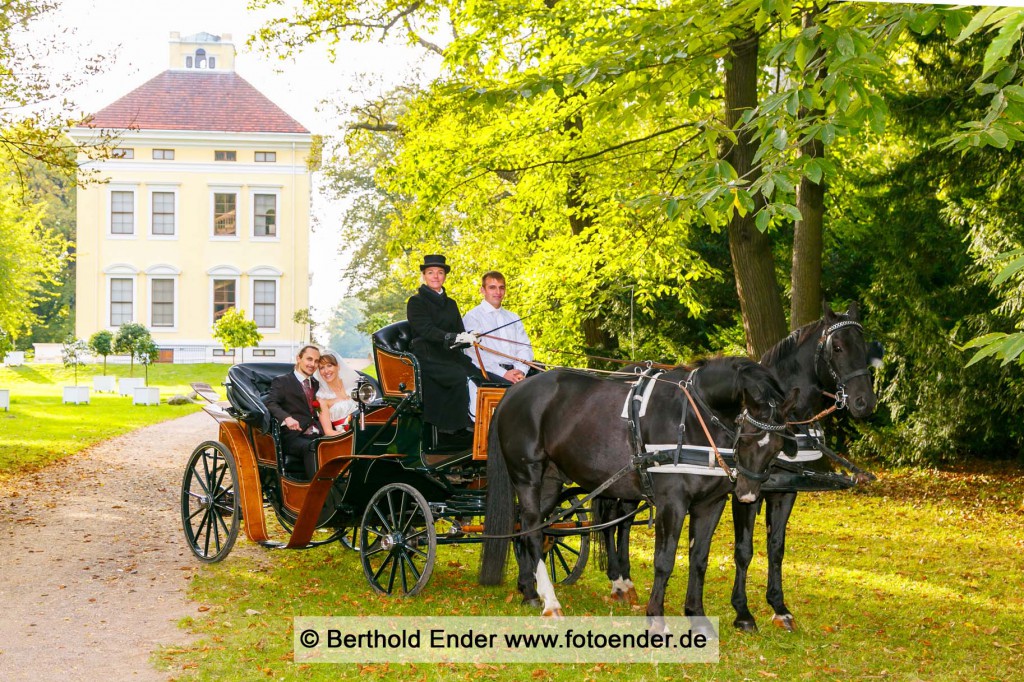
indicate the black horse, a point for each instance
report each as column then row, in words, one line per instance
column 570, row 423
column 827, row 361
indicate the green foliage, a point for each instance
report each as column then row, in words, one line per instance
column 6, row 343
column 132, row 339
column 74, row 353
column 234, row 330
column 304, row 317
column 917, row 241
column 31, row 257
column 102, row 344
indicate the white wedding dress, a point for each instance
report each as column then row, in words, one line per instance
column 339, row 409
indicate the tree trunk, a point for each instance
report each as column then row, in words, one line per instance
column 580, row 219
column 807, row 236
column 764, row 321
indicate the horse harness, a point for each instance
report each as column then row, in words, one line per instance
column 685, row 458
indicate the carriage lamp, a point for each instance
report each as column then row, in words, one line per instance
column 363, row 392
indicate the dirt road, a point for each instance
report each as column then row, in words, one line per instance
column 93, row 567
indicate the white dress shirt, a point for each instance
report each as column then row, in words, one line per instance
column 510, row 340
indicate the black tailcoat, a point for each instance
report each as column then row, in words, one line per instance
column 444, row 371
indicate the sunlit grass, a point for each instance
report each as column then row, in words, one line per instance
column 39, row 429
column 897, row 580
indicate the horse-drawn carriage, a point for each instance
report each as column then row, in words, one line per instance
column 392, row 488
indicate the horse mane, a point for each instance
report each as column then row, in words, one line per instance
column 789, row 345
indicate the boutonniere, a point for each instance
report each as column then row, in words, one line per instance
column 316, row 407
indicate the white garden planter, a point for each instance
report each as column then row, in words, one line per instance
column 5, row 399
column 15, row 358
column 145, row 395
column 76, row 394
column 127, row 386
column 104, row 384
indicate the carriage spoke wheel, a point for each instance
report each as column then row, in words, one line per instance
column 397, row 540
column 210, row 509
column 566, row 555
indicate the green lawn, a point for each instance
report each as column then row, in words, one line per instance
column 916, row 577
column 39, row 429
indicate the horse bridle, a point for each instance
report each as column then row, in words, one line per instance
column 824, row 353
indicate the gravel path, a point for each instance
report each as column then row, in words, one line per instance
column 93, row 565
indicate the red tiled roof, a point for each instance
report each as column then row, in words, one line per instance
column 196, row 100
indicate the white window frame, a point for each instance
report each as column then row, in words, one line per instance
column 256, row 157
column 239, row 205
column 162, row 272
column 266, row 273
column 163, row 154
column 224, row 272
column 153, row 189
column 276, row 193
column 120, row 271
column 134, row 189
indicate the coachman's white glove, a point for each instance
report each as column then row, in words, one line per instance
column 468, row 338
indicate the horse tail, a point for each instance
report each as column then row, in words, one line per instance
column 599, row 546
column 499, row 516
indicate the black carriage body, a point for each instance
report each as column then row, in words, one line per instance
column 440, row 469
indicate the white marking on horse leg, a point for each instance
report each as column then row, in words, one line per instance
column 764, row 441
column 691, row 543
column 619, row 586
column 547, row 592
column 748, row 497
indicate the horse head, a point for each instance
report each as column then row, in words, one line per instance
column 843, row 354
column 761, row 429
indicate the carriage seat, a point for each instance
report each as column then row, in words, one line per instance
column 398, row 371
column 395, row 337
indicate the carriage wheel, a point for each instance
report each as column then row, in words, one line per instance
column 566, row 555
column 398, row 541
column 210, row 508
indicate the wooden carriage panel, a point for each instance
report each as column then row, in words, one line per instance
column 379, row 416
column 250, row 492
column 266, row 451
column 393, row 371
column 487, row 399
column 293, row 495
column 333, row 448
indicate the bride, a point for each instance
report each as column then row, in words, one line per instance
column 336, row 406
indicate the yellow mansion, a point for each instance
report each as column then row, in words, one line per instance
column 204, row 206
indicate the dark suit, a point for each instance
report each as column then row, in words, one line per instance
column 432, row 316
column 286, row 399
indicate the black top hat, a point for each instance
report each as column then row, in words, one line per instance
column 435, row 261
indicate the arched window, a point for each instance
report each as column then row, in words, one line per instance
column 200, row 58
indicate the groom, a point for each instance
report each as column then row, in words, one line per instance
column 290, row 402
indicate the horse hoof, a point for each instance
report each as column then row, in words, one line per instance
column 631, row 596
column 553, row 613
column 745, row 625
column 534, row 602
column 785, row 622
column 618, row 596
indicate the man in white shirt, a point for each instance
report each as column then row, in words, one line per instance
column 508, row 337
